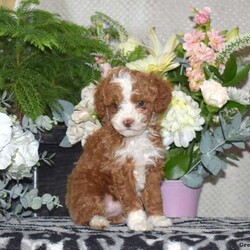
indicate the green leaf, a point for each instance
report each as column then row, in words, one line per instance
column 207, row 72
column 177, row 164
column 193, row 180
column 240, row 75
column 233, row 104
column 215, row 71
column 137, row 54
column 230, row 69
column 232, row 34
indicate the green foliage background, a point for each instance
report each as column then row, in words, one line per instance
column 44, row 58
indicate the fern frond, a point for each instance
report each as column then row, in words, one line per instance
column 28, row 97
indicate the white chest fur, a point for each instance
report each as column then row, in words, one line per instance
column 143, row 153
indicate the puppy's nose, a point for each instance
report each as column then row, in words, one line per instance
column 128, row 122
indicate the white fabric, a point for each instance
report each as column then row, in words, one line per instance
column 230, row 195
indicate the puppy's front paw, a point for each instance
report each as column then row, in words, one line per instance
column 99, row 222
column 160, row 221
column 137, row 221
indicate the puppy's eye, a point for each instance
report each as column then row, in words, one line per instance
column 140, row 104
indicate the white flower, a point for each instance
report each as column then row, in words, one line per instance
column 74, row 132
column 80, row 132
column 7, row 149
column 87, row 96
column 6, row 155
column 160, row 58
column 26, row 149
column 181, row 121
column 239, row 95
column 6, row 130
column 44, row 122
column 89, row 128
column 81, row 113
column 83, row 121
column 128, row 46
column 214, row 93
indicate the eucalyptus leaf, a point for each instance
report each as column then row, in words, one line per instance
column 193, row 180
column 64, row 114
column 235, row 124
column 26, row 213
column 225, row 127
column 33, row 193
column 3, row 183
column 206, row 144
column 36, row 203
column 18, row 209
column 227, row 146
column 240, row 145
column 65, row 142
column 50, row 206
column 24, row 201
column 46, row 198
column 213, row 163
column 16, row 191
column 3, row 203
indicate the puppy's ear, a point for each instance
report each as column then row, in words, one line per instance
column 99, row 99
column 164, row 93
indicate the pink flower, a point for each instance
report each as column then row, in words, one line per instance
column 203, row 16
column 195, row 77
column 192, row 39
column 105, row 68
column 203, row 53
column 216, row 41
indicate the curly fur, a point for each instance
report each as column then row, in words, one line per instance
column 118, row 176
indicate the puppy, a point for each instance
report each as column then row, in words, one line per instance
column 117, row 178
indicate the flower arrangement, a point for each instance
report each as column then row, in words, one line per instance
column 204, row 118
column 18, row 158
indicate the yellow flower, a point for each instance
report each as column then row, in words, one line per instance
column 160, row 58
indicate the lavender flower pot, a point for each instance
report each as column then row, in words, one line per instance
column 179, row 200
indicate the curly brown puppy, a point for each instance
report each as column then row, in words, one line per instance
column 117, row 178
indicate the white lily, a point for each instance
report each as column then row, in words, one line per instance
column 160, row 58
